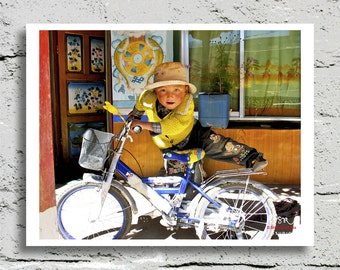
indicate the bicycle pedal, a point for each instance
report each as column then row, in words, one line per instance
column 169, row 224
column 144, row 219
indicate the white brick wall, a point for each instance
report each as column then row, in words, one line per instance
column 325, row 14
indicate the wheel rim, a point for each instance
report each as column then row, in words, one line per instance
column 80, row 215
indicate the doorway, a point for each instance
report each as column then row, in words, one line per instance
column 80, row 65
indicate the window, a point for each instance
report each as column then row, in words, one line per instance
column 259, row 69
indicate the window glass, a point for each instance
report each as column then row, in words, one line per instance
column 214, row 58
column 272, row 73
column 271, row 69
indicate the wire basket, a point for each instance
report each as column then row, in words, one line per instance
column 94, row 149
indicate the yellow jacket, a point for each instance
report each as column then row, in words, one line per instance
column 176, row 126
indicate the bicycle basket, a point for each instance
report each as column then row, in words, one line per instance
column 94, row 149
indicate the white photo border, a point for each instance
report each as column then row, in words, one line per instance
column 305, row 237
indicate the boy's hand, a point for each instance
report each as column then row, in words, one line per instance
column 142, row 124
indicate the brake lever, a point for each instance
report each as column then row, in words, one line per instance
column 130, row 137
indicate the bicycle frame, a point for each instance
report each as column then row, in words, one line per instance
column 124, row 170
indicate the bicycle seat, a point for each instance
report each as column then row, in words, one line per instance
column 187, row 156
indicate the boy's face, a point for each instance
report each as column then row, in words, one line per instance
column 170, row 96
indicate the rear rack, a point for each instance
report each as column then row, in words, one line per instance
column 236, row 172
column 242, row 172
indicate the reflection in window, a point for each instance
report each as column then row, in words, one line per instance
column 271, row 81
column 272, row 73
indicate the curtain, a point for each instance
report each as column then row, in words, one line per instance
column 272, row 73
column 271, row 65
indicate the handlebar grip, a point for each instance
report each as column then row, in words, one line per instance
column 137, row 129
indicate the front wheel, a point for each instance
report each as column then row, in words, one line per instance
column 241, row 214
column 81, row 216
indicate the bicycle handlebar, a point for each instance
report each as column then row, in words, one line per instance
column 137, row 129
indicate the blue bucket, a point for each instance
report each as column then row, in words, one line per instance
column 213, row 110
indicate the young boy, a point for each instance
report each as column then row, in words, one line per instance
column 169, row 105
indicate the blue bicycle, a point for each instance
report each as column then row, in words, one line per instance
column 227, row 205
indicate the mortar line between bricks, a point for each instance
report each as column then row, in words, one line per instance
column 329, row 193
column 218, row 264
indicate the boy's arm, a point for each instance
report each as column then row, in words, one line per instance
column 142, row 124
column 136, row 113
column 151, row 126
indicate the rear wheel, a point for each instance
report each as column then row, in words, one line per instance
column 80, row 215
column 243, row 214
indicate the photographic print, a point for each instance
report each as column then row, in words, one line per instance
column 227, row 161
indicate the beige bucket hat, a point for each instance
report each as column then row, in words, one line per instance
column 171, row 73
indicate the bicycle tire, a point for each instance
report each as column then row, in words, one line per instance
column 80, row 216
column 255, row 212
